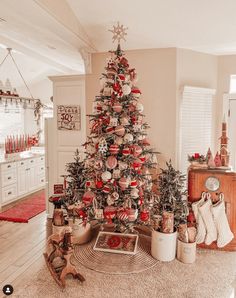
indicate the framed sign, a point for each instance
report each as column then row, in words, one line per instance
column 68, row 117
column 116, row 243
column 58, row 189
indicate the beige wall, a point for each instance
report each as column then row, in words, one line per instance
column 198, row 70
column 156, row 69
column 162, row 74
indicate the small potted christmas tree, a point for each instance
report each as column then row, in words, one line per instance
column 81, row 229
column 172, row 209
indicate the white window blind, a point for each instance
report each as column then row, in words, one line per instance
column 196, row 123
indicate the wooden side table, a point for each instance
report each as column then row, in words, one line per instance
column 215, row 182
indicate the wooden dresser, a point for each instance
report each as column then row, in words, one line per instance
column 200, row 180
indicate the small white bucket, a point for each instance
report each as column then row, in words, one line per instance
column 186, row 252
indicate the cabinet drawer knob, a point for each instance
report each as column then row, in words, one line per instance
column 21, row 163
column 31, row 161
column 41, row 168
column 9, row 178
column 9, row 166
column 9, row 193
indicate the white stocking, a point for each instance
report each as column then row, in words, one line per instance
column 206, row 213
column 201, row 230
column 224, row 233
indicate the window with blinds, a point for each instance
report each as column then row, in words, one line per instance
column 196, row 123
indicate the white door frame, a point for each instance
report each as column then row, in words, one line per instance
column 227, row 99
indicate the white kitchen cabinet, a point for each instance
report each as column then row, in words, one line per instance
column 20, row 178
column 22, row 181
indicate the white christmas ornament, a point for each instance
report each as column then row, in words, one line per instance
column 139, row 107
column 110, row 200
column 137, row 127
column 118, row 140
column 90, row 149
column 115, row 195
column 102, row 146
column 128, row 137
column 106, row 176
column 134, row 193
column 122, row 165
column 116, row 174
column 126, row 89
column 124, row 121
column 113, row 121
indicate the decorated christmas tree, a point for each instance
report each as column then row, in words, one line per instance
column 118, row 180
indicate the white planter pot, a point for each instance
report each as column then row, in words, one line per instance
column 163, row 247
column 186, row 252
column 81, row 234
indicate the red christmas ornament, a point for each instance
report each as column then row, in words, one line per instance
column 124, row 62
column 116, row 86
column 144, row 215
column 117, row 107
column 110, row 212
column 88, row 183
column 136, row 164
column 106, row 189
column 122, row 215
column 114, row 149
column 88, row 197
column 135, row 90
column 131, row 108
column 82, row 214
column 126, row 151
column 109, row 130
column 121, row 77
column 133, row 184
column 124, row 183
column 142, row 158
column 99, row 184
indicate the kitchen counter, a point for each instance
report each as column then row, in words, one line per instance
column 20, row 156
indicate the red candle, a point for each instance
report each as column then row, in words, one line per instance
column 196, row 155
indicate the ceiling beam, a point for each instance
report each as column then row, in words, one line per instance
column 63, row 14
column 32, row 53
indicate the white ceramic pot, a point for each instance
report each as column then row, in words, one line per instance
column 81, row 234
column 186, row 252
column 163, row 247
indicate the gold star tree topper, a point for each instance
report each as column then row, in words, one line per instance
column 119, row 32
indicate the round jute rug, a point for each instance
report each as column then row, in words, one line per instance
column 113, row 263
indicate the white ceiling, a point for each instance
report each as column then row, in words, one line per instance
column 48, row 35
column 203, row 25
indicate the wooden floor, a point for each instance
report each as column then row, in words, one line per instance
column 21, row 247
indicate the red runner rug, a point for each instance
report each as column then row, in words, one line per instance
column 25, row 210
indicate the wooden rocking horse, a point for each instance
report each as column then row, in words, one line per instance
column 58, row 257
